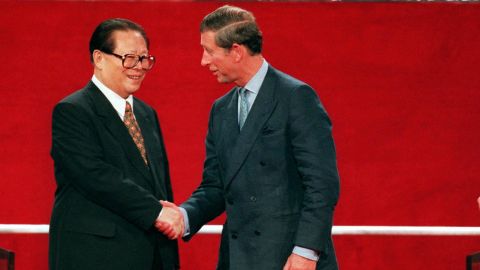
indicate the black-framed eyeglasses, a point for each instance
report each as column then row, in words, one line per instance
column 131, row 60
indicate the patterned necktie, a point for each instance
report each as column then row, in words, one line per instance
column 243, row 107
column 134, row 131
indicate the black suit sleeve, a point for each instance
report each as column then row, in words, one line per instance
column 77, row 153
column 207, row 201
column 314, row 153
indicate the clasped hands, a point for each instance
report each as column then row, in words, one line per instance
column 170, row 222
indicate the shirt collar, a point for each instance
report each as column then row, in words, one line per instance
column 117, row 101
column 256, row 81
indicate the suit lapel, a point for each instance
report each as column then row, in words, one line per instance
column 116, row 127
column 154, row 154
column 230, row 129
column 261, row 110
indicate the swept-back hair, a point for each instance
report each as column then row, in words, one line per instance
column 233, row 25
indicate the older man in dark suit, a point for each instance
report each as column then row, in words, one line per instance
column 270, row 157
column 110, row 164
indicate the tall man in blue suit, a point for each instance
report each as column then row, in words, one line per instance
column 270, row 157
column 110, row 164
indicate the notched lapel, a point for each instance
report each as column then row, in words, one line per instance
column 149, row 136
column 116, row 127
column 152, row 146
column 229, row 128
column 260, row 112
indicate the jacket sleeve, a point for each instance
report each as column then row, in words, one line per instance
column 78, row 157
column 207, row 201
column 310, row 131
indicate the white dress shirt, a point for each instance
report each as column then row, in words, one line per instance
column 117, row 101
column 253, row 86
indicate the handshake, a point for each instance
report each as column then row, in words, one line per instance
column 170, row 221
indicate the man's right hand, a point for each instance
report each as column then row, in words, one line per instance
column 170, row 222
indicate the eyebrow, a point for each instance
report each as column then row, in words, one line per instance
column 133, row 52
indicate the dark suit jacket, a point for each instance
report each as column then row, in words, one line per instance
column 277, row 179
column 107, row 199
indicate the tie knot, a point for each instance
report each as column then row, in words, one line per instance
column 243, row 92
column 128, row 107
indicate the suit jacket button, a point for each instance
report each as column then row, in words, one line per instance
column 257, row 233
column 262, row 163
column 234, row 236
column 253, row 198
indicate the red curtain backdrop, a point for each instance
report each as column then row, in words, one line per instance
column 399, row 80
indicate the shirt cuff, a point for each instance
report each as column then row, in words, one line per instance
column 185, row 222
column 306, row 253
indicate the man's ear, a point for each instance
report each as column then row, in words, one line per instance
column 238, row 51
column 98, row 59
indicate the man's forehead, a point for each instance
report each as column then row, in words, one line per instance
column 128, row 39
column 125, row 34
column 207, row 38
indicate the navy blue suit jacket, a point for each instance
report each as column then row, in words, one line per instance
column 276, row 179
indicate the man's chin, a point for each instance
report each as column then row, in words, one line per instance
column 132, row 88
column 223, row 80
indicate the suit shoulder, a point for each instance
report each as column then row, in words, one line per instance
column 288, row 86
column 79, row 98
column 74, row 107
column 287, row 81
column 74, row 98
column 225, row 99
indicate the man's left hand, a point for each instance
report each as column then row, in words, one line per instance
column 297, row 262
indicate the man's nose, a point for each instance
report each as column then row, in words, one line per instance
column 138, row 65
column 205, row 60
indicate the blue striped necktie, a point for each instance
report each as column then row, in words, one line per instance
column 243, row 95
